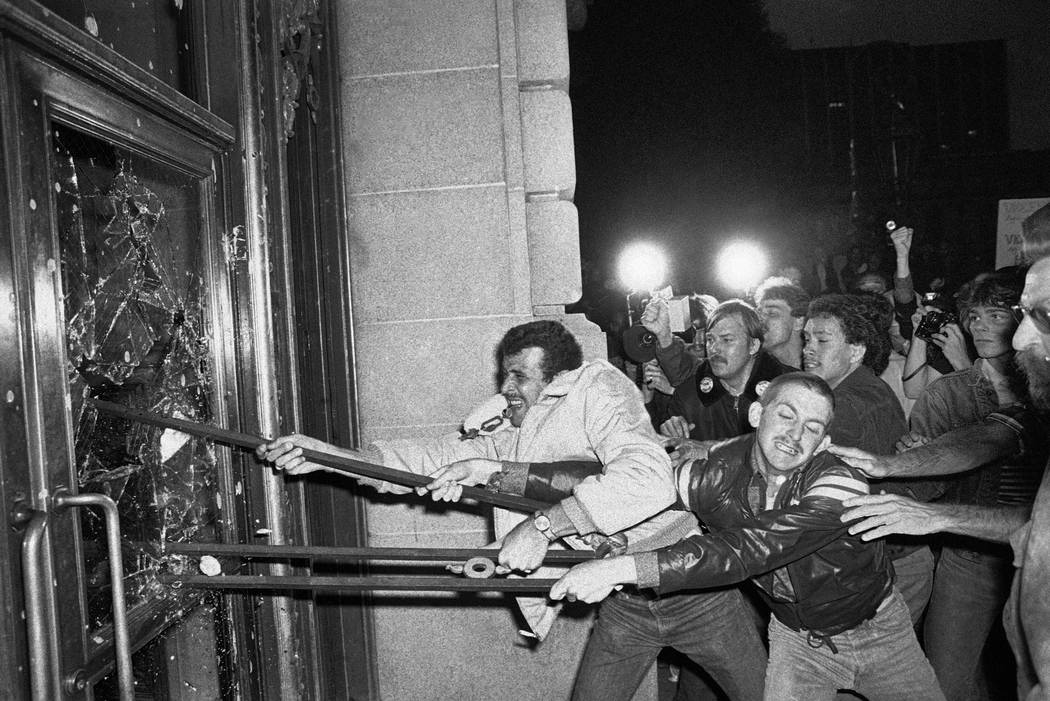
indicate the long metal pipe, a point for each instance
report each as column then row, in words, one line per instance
column 374, row 583
column 36, row 615
column 338, row 462
column 347, row 554
column 121, row 641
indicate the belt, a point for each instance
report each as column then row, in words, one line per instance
column 630, row 592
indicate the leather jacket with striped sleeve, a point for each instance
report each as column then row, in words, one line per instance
column 812, row 573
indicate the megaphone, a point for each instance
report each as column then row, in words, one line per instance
column 486, row 419
column 639, row 343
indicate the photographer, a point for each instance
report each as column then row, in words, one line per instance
column 683, row 351
column 972, row 578
column 679, row 352
column 937, row 348
column 933, row 348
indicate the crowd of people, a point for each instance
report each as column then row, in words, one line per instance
column 803, row 496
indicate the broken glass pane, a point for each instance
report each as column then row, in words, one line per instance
column 133, row 267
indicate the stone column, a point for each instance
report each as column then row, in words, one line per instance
column 460, row 175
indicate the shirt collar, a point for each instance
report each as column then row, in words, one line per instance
column 562, row 382
column 999, row 381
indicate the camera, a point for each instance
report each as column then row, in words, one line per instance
column 934, row 322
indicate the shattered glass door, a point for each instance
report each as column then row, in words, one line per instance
column 134, row 274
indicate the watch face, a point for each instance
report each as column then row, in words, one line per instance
column 541, row 522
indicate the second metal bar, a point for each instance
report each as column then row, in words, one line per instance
column 332, row 553
column 377, row 583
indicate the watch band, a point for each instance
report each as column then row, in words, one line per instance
column 495, row 481
column 542, row 523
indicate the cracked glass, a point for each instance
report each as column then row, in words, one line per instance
column 135, row 297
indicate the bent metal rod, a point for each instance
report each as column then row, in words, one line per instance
column 350, row 466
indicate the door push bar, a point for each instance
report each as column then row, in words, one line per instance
column 42, row 686
column 45, row 683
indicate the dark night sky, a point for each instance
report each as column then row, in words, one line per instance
column 689, row 133
column 677, row 137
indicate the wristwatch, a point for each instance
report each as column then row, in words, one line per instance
column 543, row 524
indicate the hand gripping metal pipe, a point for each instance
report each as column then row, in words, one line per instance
column 477, row 567
column 355, row 468
column 337, row 462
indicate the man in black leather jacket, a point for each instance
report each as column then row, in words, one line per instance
column 711, row 397
column 772, row 502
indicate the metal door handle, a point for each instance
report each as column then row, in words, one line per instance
column 121, row 644
column 41, row 686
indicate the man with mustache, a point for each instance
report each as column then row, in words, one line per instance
column 561, row 408
column 710, row 401
column 771, row 502
column 1000, row 434
column 558, row 408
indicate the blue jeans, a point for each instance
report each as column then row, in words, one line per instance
column 915, row 580
column 969, row 591
column 712, row 628
column 880, row 658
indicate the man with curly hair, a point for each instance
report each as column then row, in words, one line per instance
column 558, row 407
column 562, row 409
column 846, row 348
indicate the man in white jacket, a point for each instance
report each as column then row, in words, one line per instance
column 559, row 409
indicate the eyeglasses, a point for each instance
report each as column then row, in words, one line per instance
column 1039, row 314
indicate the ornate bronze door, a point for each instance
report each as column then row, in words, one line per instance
column 113, row 275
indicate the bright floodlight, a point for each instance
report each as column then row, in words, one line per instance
column 741, row 265
column 642, row 267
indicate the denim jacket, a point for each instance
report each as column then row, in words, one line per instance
column 966, row 397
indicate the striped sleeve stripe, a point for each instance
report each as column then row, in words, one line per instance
column 838, row 488
column 1018, row 484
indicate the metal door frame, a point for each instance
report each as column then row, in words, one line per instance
column 37, row 92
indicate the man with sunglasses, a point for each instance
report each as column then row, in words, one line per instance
column 1028, row 613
